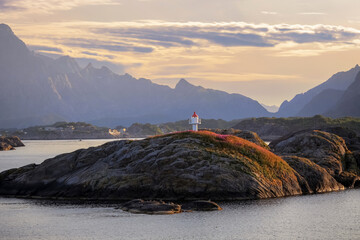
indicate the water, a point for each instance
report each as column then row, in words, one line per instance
column 324, row 216
column 36, row 151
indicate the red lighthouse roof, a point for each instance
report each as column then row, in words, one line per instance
column 195, row 115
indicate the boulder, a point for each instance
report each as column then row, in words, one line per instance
column 150, row 207
column 5, row 146
column 9, row 143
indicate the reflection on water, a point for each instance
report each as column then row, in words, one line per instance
column 324, row 216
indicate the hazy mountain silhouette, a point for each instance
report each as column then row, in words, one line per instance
column 303, row 104
column 38, row 90
column 349, row 103
column 321, row 103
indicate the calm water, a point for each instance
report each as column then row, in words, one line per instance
column 324, row 216
column 36, row 151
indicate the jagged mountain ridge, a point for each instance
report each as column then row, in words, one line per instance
column 39, row 90
column 300, row 105
column 349, row 103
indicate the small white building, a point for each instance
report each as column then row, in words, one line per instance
column 195, row 121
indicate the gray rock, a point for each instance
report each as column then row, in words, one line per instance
column 150, row 207
column 186, row 166
column 316, row 177
column 325, row 149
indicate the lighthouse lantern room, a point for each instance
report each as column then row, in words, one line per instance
column 195, row 121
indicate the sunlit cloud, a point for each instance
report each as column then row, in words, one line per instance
column 312, row 13
column 269, row 13
column 49, row 6
column 44, row 48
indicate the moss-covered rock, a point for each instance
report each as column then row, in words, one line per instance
column 248, row 135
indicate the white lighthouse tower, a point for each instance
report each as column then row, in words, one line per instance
column 195, row 121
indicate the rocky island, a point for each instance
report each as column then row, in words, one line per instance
column 190, row 165
column 9, row 143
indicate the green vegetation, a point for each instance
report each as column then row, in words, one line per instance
column 268, row 127
column 143, row 130
column 308, row 122
column 62, row 130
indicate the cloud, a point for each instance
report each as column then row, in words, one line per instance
column 49, row 6
column 269, row 13
column 230, row 34
column 312, row 13
column 45, row 48
column 105, row 45
column 5, row 5
column 90, row 53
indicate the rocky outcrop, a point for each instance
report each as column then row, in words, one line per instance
column 181, row 166
column 150, row 207
column 161, row 207
column 317, row 179
column 191, row 165
column 309, row 152
column 325, row 149
column 351, row 139
column 9, row 143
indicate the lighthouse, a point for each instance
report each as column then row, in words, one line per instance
column 195, row 121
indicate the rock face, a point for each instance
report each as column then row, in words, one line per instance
column 317, row 178
column 325, row 149
column 9, row 143
column 322, row 158
column 181, row 166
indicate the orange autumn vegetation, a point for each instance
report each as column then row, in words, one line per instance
column 252, row 158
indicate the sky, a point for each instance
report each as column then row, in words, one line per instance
column 269, row 50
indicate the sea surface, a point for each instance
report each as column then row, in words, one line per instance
column 323, row 216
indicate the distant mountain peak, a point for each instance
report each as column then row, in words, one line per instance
column 66, row 64
column 183, row 84
column 89, row 66
column 11, row 45
column 106, row 71
column 6, row 29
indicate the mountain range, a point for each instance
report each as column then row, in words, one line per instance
column 39, row 90
column 321, row 99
